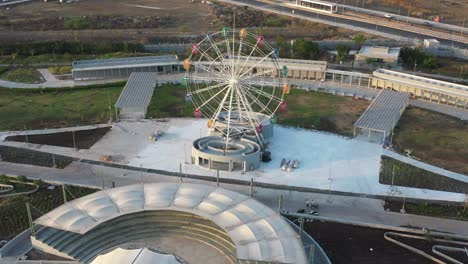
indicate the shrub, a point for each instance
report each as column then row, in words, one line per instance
column 22, row 178
column 39, row 182
column 76, row 23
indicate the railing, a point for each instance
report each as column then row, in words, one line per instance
column 314, row 252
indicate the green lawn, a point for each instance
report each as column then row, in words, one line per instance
column 22, row 75
column 434, row 138
column 56, row 108
column 409, row 176
column 169, row 101
column 321, row 111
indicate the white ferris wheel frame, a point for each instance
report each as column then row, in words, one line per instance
column 219, row 79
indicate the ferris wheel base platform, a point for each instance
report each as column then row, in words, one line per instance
column 214, row 153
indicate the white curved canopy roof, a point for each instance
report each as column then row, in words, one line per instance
column 134, row 256
column 258, row 232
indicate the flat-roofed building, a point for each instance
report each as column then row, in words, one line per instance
column 119, row 68
column 296, row 69
column 421, row 87
column 379, row 54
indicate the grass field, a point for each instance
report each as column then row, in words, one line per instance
column 434, row 138
column 310, row 110
column 321, row 111
column 34, row 110
column 427, row 209
column 22, row 75
column 410, row 176
column 13, row 216
column 169, row 101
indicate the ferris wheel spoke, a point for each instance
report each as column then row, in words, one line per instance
column 220, row 66
column 259, row 82
column 229, row 116
column 263, row 107
column 256, row 64
column 214, row 96
column 208, row 88
column 218, row 52
column 250, row 118
column 261, row 92
column 202, row 66
column 256, row 75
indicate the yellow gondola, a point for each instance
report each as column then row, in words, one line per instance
column 187, row 64
column 243, row 33
column 286, row 89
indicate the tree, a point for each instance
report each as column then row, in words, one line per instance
column 304, row 49
column 359, row 39
column 342, row 51
column 411, row 56
column 430, row 62
column 284, row 47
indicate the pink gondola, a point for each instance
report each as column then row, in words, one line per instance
column 283, row 106
column 260, row 41
column 195, row 49
column 259, row 128
column 197, row 113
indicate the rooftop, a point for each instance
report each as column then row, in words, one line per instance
column 423, row 82
column 258, row 232
column 380, row 51
column 384, row 112
column 130, row 61
column 138, row 91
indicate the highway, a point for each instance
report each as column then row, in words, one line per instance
column 399, row 30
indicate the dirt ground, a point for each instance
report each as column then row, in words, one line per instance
column 452, row 11
column 346, row 244
column 145, row 21
column 191, row 14
column 84, row 139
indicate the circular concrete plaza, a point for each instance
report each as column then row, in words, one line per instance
column 196, row 223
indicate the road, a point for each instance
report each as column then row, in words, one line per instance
column 393, row 29
column 357, row 209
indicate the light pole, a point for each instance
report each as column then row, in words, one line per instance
column 414, row 70
column 463, row 27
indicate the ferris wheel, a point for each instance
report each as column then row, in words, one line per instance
column 233, row 78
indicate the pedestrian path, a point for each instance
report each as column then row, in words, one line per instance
column 425, row 166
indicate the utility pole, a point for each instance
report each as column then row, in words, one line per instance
column 31, row 224
column 251, row 187
column 393, row 174
column 64, row 194
column 74, row 142
column 26, row 135
column 280, row 204
column 217, row 178
column 180, row 172
column 102, row 180
column 110, row 108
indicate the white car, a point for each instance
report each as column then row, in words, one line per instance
column 389, row 16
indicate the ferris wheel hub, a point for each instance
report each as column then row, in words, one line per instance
column 233, row 82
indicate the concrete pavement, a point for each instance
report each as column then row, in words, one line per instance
column 343, row 207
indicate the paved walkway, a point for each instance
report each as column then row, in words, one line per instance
column 425, row 166
column 343, row 207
